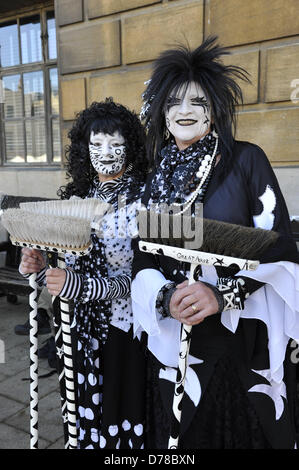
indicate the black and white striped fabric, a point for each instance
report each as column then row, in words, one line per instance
column 68, row 366
column 40, row 277
column 76, row 286
column 109, row 191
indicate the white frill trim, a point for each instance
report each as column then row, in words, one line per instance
column 163, row 333
column 276, row 304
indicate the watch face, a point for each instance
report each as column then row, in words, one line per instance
column 107, row 153
column 188, row 114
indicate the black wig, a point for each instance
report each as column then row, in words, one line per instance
column 176, row 68
column 106, row 117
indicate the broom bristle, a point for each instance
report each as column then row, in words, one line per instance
column 236, row 240
column 80, row 208
column 217, row 237
column 44, row 229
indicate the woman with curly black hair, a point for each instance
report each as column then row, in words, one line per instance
column 107, row 118
column 105, row 160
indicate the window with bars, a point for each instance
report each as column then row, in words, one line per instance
column 30, row 130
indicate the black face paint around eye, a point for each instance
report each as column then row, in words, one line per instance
column 172, row 101
column 201, row 101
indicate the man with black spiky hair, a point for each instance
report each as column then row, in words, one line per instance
column 240, row 389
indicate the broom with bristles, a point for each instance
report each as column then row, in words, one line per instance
column 221, row 244
column 53, row 227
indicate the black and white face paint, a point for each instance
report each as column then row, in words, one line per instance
column 188, row 116
column 107, row 153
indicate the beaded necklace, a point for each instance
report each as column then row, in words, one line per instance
column 203, row 177
column 180, row 171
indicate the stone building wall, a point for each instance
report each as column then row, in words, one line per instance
column 106, row 48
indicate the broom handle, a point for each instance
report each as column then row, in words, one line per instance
column 68, row 366
column 33, row 363
column 179, row 388
column 197, row 257
column 60, row 365
column 59, row 355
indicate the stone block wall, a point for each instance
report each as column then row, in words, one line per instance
column 106, row 48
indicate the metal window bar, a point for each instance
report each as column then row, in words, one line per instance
column 45, row 65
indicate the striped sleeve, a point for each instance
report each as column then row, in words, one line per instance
column 40, row 278
column 72, row 286
column 85, row 289
column 93, row 289
column 118, row 287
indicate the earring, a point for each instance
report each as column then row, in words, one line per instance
column 166, row 134
column 213, row 129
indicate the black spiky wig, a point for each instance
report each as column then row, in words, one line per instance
column 176, row 68
column 108, row 117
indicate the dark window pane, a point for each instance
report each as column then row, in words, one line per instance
column 51, row 26
column 56, row 140
column 54, row 91
column 9, row 44
column 30, row 39
column 36, row 141
column 12, row 96
column 14, row 140
column 34, row 94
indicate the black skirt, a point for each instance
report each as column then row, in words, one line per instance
column 110, row 393
column 224, row 419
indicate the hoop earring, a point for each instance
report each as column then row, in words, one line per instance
column 166, row 134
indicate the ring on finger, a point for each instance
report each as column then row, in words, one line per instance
column 194, row 308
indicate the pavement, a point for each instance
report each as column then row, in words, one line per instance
column 14, row 391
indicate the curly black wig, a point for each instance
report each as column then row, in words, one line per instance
column 107, row 117
column 176, row 68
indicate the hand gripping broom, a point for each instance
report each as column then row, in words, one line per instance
column 222, row 244
column 60, row 227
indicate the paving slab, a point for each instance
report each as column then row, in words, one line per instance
column 17, row 388
column 9, row 408
column 50, row 424
column 14, row 391
column 13, row 438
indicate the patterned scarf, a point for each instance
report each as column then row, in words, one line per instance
column 93, row 317
column 177, row 168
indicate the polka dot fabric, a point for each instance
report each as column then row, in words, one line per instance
column 109, row 364
column 111, row 405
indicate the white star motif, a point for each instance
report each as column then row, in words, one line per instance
column 59, row 352
column 276, row 390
